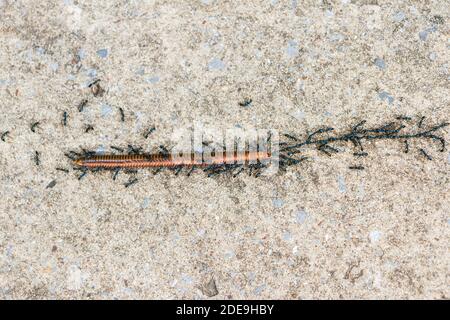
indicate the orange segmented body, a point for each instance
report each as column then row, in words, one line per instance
column 168, row 160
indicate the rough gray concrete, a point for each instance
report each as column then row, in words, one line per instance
column 319, row 230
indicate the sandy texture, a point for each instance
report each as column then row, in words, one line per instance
column 319, row 230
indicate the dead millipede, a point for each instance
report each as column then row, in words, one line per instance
column 165, row 160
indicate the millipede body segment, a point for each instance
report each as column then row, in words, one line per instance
column 161, row 160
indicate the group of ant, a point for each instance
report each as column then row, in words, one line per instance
column 289, row 149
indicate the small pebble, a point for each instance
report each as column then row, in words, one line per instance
column 292, row 49
column 102, row 53
column 210, row 289
column 216, row 64
column 374, row 236
column 277, row 203
column 51, row 184
column 341, row 184
column 379, row 63
column 301, row 216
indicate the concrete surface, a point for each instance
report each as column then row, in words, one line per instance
column 319, row 230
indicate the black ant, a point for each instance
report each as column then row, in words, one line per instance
column 82, row 104
column 37, row 160
column 246, row 102
column 89, row 128
column 4, row 135
column 134, row 150
column 122, row 115
column 130, row 182
column 426, row 155
column 34, row 125
column 149, row 132
column 96, row 89
column 64, row 118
